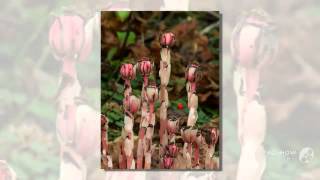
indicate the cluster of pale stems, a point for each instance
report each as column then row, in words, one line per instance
column 170, row 155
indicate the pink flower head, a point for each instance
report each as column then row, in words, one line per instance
column 152, row 96
column 253, row 42
column 152, row 93
column 67, row 38
column 127, row 72
column 191, row 73
column 145, row 66
column 133, row 104
column 167, row 162
column 167, row 39
column 172, row 149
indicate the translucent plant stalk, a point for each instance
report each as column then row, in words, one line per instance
column 152, row 97
column 131, row 104
column 166, row 41
column 192, row 76
column 253, row 45
column 145, row 67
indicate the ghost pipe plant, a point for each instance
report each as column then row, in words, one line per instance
column 169, row 125
column 131, row 105
column 70, row 39
column 253, row 45
column 145, row 68
column 67, row 48
column 166, row 41
column 152, row 96
column 192, row 76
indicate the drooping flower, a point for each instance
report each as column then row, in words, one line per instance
column 132, row 104
column 152, row 93
column 192, row 75
column 68, row 38
column 167, row 39
column 145, row 66
column 127, row 72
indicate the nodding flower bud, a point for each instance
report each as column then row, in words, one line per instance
column 127, row 72
column 167, row 162
column 152, row 93
column 167, row 39
column 145, row 66
column 172, row 149
column 253, row 41
column 133, row 104
column 67, row 37
column 192, row 74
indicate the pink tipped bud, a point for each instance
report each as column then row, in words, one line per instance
column 192, row 73
column 127, row 72
column 67, row 37
column 152, row 93
column 167, row 162
column 167, row 39
column 145, row 66
column 133, row 104
column 253, row 41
